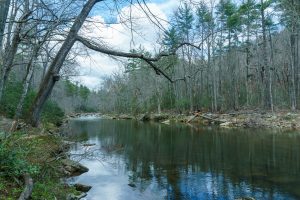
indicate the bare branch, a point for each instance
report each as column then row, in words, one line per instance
column 149, row 60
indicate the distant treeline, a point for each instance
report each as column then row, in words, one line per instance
column 238, row 56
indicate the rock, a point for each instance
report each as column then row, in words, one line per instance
column 64, row 148
column 294, row 126
column 68, row 143
column 74, row 168
column 21, row 125
column 205, row 122
column 245, row 198
column 226, row 124
column 88, row 145
column 125, row 117
column 76, row 197
column 72, row 115
column 59, row 123
column 166, row 122
column 251, row 123
column 145, row 117
column 132, row 185
column 190, row 118
column 63, row 171
column 82, row 188
column 159, row 117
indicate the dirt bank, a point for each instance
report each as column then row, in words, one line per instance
column 36, row 158
column 243, row 119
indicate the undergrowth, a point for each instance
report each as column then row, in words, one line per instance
column 36, row 155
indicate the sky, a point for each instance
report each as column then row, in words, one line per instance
column 113, row 30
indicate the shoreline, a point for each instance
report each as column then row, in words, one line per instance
column 40, row 164
column 283, row 120
column 49, row 141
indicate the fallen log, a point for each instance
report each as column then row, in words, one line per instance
column 25, row 195
column 205, row 117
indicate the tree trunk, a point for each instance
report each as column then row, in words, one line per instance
column 266, row 72
column 220, row 64
column 272, row 71
column 215, row 88
column 232, row 66
column 26, row 82
column 297, row 70
column 4, row 7
column 53, row 72
column 12, row 18
column 158, row 96
column 235, row 81
column 11, row 52
column 248, row 61
column 293, row 67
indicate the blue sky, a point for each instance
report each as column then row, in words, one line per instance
column 119, row 37
column 111, row 17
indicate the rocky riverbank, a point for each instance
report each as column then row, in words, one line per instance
column 244, row 119
column 33, row 163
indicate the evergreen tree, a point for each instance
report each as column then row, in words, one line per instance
column 249, row 16
column 290, row 17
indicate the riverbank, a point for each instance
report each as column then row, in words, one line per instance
column 284, row 120
column 259, row 160
column 35, row 162
column 39, row 156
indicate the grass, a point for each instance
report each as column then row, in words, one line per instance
column 38, row 155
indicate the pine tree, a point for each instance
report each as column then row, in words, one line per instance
column 249, row 15
column 291, row 18
column 231, row 24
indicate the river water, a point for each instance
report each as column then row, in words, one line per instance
column 134, row 160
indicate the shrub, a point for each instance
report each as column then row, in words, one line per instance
column 52, row 113
column 182, row 104
column 11, row 98
column 85, row 109
column 12, row 162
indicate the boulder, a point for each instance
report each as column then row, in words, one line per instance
column 76, row 197
column 245, row 198
column 166, row 122
column 73, row 168
column 82, row 188
column 145, row 117
column 226, row 124
column 159, row 117
column 123, row 116
column 132, row 185
column 89, row 145
column 190, row 118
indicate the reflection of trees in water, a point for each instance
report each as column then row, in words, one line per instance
column 169, row 153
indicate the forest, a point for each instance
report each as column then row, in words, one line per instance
column 241, row 55
column 213, row 56
column 218, row 66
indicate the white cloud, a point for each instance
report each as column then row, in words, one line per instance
column 89, row 81
column 119, row 37
column 168, row 7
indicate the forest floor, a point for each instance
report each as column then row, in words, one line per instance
column 41, row 154
column 284, row 120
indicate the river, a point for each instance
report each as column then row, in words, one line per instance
column 134, row 160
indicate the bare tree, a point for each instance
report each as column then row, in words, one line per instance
column 4, row 7
column 12, row 46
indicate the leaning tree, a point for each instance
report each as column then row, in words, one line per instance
column 52, row 75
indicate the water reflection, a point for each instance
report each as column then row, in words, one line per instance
column 179, row 162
